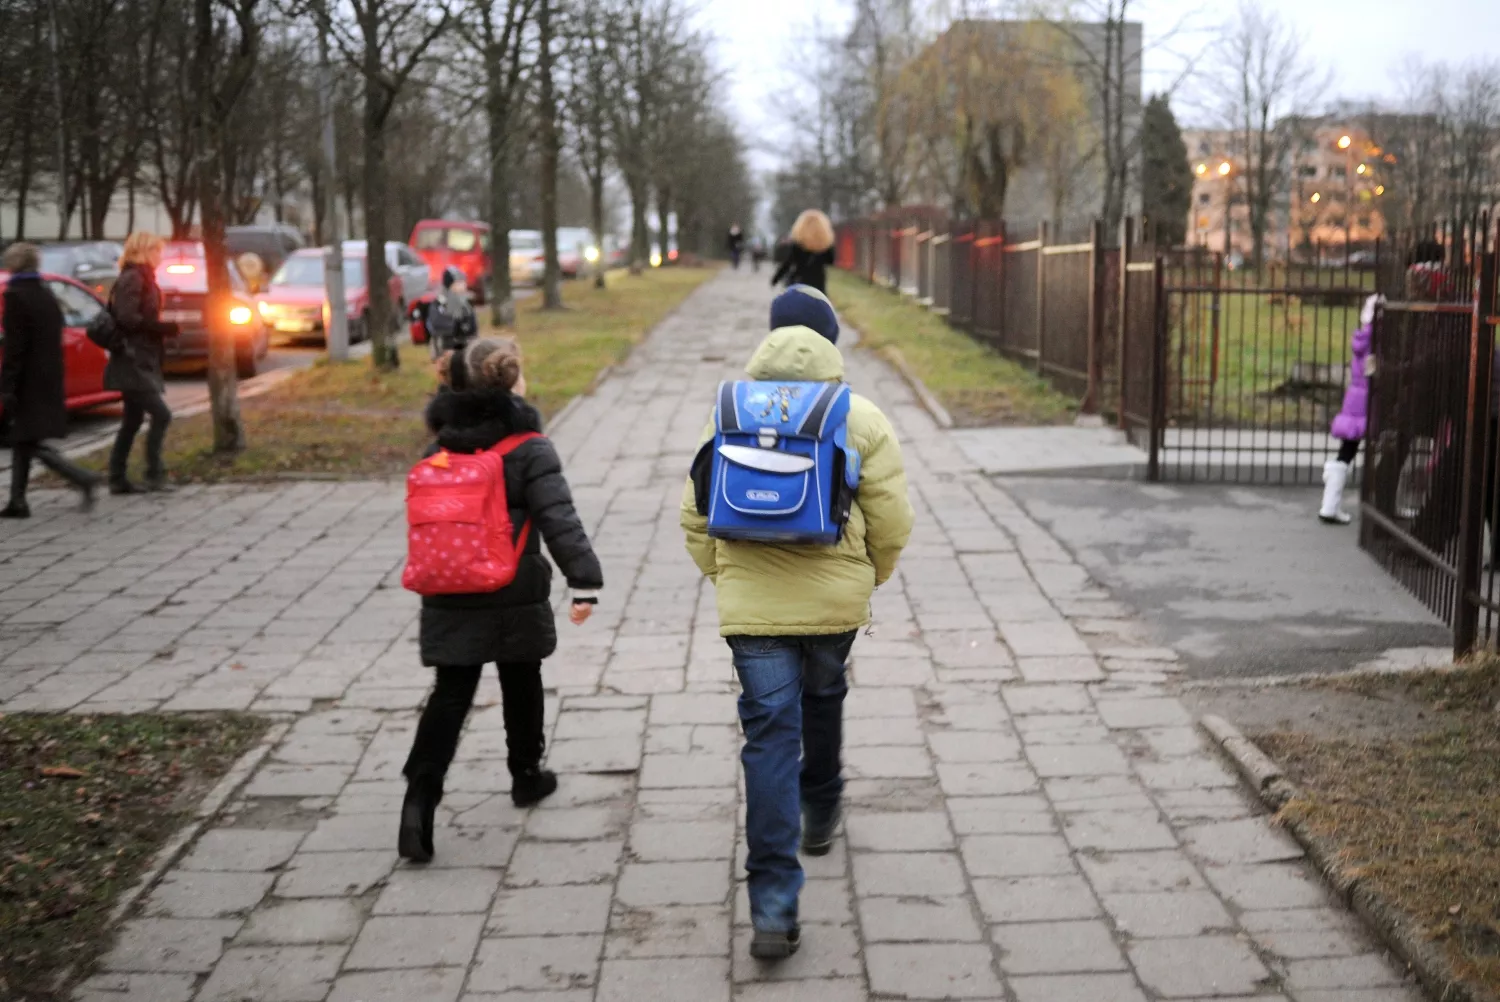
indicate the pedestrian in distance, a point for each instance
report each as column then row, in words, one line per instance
column 481, row 409
column 1349, row 424
column 789, row 610
column 134, row 367
column 32, row 403
column 449, row 317
column 757, row 252
column 735, row 241
column 810, row 253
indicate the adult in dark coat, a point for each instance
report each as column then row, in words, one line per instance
column 512, row 627
column 135, row 364
column 810, row 253
column 31, row 381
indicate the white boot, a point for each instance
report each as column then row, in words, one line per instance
column 1335, row 475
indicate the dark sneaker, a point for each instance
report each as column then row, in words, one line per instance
column 418, row 811
column 159, row 485
column 16, row 509
column 125, row 487
column 775, row 945
column 530, row 788
column 819, row 829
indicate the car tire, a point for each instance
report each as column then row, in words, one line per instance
column 364, row 327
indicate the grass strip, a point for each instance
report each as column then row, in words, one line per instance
column 977, row 385
column 85, row 802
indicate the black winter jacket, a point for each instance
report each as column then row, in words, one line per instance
column 31, row 375
column 135, row 302
column 805, row 267
column 514, row 623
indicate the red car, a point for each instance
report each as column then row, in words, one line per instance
column 463, row 245
column 83, row 361
column 183, row 279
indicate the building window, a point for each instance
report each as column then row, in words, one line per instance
column 1307, row 170
column 1338, row 170
column 1203, row 148
column 1364, row 222
column 1205, row 199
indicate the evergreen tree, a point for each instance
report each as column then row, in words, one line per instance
column 1166, row 174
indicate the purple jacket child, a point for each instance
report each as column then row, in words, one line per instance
column 1349, row 425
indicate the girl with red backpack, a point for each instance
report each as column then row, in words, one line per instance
column 479, row 415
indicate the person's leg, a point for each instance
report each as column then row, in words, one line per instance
column 824, row 686
column 770, row 707
column 1335, row 476
column 20, row 477
column 432, row 751
column 119, row 456
column 521, row 702
column 71, row 472
column 161, row 417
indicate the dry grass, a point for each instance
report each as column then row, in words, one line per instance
column 1418, row 814
column 349, row 420
column 976, row 385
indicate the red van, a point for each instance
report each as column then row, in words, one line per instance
column 464, row 245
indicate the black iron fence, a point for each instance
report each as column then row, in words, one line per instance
column 1234, row 375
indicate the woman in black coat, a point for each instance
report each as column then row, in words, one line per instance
column 481, row 404
column 810, row 254
column 31, row 381
column 135, row 363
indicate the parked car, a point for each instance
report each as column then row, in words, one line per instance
column 444, row 243
column 407, row 269
column 83, row 361
column 295, row 303
column 272, row 244
column 183, row 278
column 93, row 263
column 526, row 258
column 573, row 246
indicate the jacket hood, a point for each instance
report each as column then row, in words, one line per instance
column 796, row 353
column 471, row 420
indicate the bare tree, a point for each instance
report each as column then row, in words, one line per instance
column 1268, row 86
column 592, row 32
column 385, row 44
column 548, row 142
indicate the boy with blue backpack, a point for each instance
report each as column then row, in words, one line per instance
column 796, row 509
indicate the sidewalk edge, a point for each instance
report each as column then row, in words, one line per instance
column 924, row 396
column 1387, row 922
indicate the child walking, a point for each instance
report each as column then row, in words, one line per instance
column 790, row 612
column 1349, row 424
column 480, row 404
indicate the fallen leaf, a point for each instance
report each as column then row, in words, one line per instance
column 62, row 772
column 1454, row 909
column 92, row 818
column 237, row 666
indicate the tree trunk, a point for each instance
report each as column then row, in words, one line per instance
column 551, row 272
column 596, row 221
column 223, row 391
column 23, row 185
column 640, row 238
column 502, row 295
column 379, row 319
column 663, row 221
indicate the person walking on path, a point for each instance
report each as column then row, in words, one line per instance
column 31, row 381
column 1349, row 424
column 736, row 244
column 810, row 253
column 480, row 404
column 134, row 366
column 789, row 614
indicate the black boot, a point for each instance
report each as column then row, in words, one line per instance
column 418, row 811
column 16, row 510
column 532, row 786
column 20, row 476
column 121, row 485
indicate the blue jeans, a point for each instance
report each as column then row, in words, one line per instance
column 792, row 710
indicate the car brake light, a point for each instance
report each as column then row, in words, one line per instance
column 239, row 315
column 180, row 269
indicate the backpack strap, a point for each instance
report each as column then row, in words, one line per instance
column 503, row 448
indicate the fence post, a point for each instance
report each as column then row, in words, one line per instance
column 1471, row 513
column 1091, row 391
column 1159, row 315
column 1041, row 295
column 1127, row 234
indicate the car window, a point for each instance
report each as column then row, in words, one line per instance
column 430, row 238
column 525, row 241
column 78, row 307
column 409, row 258
column 461, row 241
column 300, row 271
column 484, row 241
column 57, row 260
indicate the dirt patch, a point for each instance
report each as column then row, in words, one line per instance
column 1402, row 772
column 85, row 802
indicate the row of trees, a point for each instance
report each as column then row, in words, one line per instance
column 513, row 111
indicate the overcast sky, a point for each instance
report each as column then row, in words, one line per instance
column 759, row 42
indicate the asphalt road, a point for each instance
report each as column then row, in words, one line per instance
column 1242, row 582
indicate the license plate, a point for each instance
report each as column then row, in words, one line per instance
column 182, row 316
column 294, row 326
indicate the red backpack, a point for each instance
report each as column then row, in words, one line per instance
column 459, row 538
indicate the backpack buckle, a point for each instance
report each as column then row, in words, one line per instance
column 766, row 438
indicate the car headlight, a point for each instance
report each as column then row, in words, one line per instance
column 656, row 259
column 239, row 315
column 267, row 311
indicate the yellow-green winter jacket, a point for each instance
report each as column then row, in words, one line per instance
column 772, row 589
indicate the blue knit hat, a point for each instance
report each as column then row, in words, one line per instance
column 804, row 306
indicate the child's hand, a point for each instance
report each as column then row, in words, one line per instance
column 580, row 613
column 1369, row 366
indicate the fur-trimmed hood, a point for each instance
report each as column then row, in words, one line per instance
column 472, row 420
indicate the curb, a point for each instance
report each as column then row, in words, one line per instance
column 929, row 403
column 1389, row 924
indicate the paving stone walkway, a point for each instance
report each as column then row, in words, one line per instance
column 1032, row 815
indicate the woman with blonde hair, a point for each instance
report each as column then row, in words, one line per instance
column 135, row 362
column 810, row 254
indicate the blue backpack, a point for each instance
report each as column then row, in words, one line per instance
column 779, row 468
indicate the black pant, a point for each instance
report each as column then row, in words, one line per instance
column 138, row 404
column 20, row 468
column 1348, row 449
column 443, row 719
